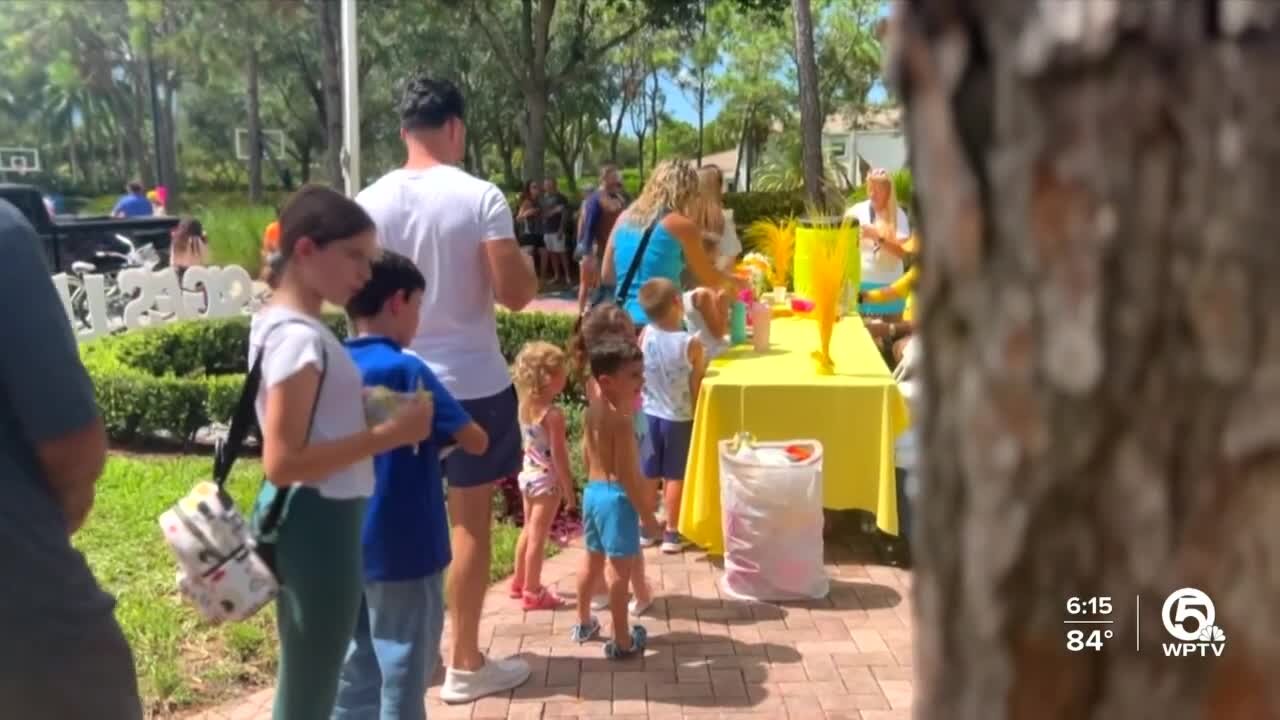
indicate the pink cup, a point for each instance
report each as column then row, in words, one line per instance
column 761, row 317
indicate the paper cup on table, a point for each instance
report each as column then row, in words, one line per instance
column 779, row 295
column 761, row 317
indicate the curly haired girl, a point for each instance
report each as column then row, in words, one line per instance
column 541, row 372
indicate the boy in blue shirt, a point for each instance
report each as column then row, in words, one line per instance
column 406, row 530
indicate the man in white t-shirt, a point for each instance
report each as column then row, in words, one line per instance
column 458, row 229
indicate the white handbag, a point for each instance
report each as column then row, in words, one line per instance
column 224, row 562
column 218, row 570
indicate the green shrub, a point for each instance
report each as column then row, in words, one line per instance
column 172, row 380
column 751, row 206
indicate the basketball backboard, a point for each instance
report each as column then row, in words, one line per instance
column 19, row 160
column 273, row 141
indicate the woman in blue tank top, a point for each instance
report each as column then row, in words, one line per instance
column 676, row 242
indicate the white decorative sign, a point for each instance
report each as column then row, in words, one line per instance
column 145, row 298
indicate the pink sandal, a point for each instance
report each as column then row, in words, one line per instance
column 516, row 592
column 543, row 600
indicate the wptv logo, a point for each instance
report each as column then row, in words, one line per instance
column 1188, row 615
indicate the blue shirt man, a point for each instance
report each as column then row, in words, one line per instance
column 134, row 204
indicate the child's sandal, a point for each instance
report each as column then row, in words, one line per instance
column 639, row 639
column 543, row 600
column 584, row 632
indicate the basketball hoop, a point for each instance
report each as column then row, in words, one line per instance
column 21, row 161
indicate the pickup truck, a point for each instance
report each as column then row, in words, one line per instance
column 68, row 239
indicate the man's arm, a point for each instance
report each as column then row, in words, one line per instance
column 587, row 223
column 515, row 284
column 45, row 383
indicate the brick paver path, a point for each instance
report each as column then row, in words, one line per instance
column 846, row 657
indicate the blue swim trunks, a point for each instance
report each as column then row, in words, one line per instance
column 610, row 523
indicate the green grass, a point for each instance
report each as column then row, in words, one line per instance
column 235, row 234
column 183, row 662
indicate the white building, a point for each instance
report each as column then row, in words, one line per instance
column 873, row 139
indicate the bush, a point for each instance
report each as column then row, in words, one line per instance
column 170, row 381
column 751, row 206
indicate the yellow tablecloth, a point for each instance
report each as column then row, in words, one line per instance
column 856, row 413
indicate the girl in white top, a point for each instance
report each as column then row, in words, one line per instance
column 883, row 229
column 541, row 372
column 716, row 221
column 316, row 445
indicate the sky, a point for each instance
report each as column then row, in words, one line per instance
column 683, row 107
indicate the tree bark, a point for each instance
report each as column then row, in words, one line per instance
column 1101, row 351
column 331, row 81
column 254, row 123
column 657, row 119
column 170, row 139
column 811, row 117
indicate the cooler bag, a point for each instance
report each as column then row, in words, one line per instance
column 771, row 509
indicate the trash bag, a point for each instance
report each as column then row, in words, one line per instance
column 771, row 504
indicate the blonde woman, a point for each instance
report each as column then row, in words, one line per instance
column 669, row 203
column 883, row 232
column 718, row 231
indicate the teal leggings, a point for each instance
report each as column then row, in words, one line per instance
column 318, row 558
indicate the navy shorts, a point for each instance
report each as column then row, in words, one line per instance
column 498, row 415
column 666, row 449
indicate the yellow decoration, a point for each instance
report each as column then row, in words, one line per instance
column 777, row 240
column 827, row 283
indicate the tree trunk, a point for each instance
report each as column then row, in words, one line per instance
column 1100, row 353
column 91, row 149
column 72, row 150
column 507, row 151
column 170, row 136
column 535, row 141
column 657, row 120
column 702, row 112
column 811, row 119
column 254, row 126
column 132, row 110
column 331, row 80
column 615, row 131
column 304, row 162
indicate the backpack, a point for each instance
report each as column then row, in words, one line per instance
column 225, row 564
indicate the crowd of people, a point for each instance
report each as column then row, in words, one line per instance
column 367, row 553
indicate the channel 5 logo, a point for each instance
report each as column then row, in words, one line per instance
column 1188, row 616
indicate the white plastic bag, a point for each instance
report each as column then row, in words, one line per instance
column 771, row 510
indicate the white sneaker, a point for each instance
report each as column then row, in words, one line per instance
column 600, row 602
column 495, row 676
column 636, row 608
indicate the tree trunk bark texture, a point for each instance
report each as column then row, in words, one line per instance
column 331, row 82
column 811, row 116
column 254, row 123
column 1101, row 351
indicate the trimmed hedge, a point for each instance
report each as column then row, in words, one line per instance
column 749, row 207
column 172, row 380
